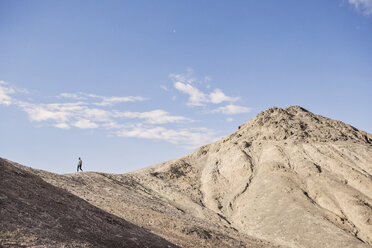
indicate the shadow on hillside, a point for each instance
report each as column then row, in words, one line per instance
column 34, row 212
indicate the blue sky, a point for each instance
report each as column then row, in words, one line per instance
column 127, row 84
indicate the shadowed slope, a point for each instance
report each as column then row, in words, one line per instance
column 35, row 213
column 124, row 197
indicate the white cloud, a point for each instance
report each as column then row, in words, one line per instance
column 97, row 114
column 105, row 100
column 112, row 124
column 62, row 125
column 364, row 6
column 85, row 124
column 108, row 101
column 74, row 96
column 196, row 97
column 153, row 117
column 232, row 109
column 229, row 119
column 217, row 96
column 5, row 93
column 84, row 111
column 85, row 114
column 46, row 112
column 191, row 138
column 184, row 84
column 65, row 115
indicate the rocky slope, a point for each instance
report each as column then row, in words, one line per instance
column 34, row 213
column 287, row 178
column 124, row 197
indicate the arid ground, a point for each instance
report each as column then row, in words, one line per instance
column 286, row 178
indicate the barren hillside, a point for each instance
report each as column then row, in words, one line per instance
column 122, row 196
column 286, row 178
column 34, row 213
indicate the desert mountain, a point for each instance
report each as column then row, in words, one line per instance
column 286, row 178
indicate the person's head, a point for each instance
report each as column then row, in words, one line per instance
column 79, row 158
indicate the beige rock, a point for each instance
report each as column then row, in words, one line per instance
column 286, row 178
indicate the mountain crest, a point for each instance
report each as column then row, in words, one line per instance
column 298, row 124
column 285, row 175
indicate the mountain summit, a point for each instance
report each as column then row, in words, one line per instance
column 297, row 123
column 286, row 178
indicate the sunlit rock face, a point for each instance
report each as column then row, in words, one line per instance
column 287, row 176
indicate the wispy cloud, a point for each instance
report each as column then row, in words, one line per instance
column 217, row 96
column 184, row 84
column 109, row 101
column 104, row 100
column 65, row 115
column 191, row 137
column 157, row 116
column 82, row 115
column 74, row 96
column 363, row 6
column 5, row 92
column 232, row 109
column 196, row 97
column 85, row 123
column 83, row 111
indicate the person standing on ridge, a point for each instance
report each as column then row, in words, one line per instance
column 80, row 163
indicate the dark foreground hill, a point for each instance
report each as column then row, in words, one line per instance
column 34, row 213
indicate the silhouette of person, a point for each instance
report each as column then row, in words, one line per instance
column 80, row 163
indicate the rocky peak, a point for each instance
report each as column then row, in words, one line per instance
column 299, row 124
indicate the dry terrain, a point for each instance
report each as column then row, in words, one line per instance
column 35, row 213
column 286, row 178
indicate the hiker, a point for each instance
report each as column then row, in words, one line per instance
column 80, row 163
